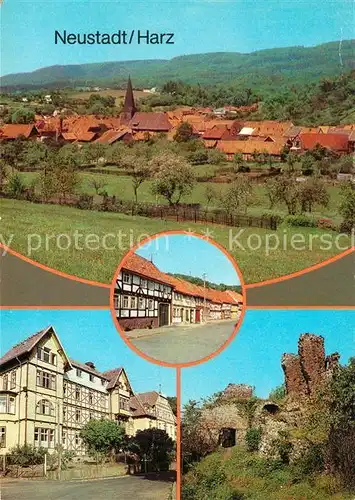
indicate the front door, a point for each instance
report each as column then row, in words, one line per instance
column 163, row 314
column 198, row 315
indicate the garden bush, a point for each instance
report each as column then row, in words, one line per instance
column 300, row 220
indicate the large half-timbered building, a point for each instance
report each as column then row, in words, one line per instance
column 46, row 398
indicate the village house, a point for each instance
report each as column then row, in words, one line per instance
column 143, row 295
column 46, row 398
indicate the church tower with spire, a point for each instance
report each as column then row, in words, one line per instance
column 129, row 107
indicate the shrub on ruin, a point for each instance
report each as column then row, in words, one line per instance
column 253, row 439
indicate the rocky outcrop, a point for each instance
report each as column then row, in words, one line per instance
column 306, row 371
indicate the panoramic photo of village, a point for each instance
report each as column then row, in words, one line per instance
column 103, row 414
column 177, row 298
column 274, row 420
column 253, row 146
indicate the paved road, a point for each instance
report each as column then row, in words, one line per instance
column 183, row 344
column 136, row 488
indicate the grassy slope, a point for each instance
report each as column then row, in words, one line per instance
column 20, row 218
column 121, row 186
column 235, row 474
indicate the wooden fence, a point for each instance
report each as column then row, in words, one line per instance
column 180, row 213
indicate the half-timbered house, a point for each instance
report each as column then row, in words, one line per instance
column 143, row 295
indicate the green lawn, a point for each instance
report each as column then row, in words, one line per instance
column 21, row 218
column 235, row 474
column 121, row 186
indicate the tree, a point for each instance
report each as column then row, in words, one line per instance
column 12, row 152
column 3, row 173
column 184, row 132
column 102, row 437
column 238, row 196
column 347, row 207
column 155, row 446
column 95, row 152
column 173, row 177
column 35, row 154
column 313, row 192
column 238, row 160
column 98, row 184
column 173, row 403
column 210, row 194
column 15, row 187
column 140, row 173
column 23, row 115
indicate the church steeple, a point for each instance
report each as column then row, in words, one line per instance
column 129, row 107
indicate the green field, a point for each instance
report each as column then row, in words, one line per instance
column 121, row 187
column 21, row 218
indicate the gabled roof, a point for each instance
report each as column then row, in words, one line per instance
column 237, row 297
column 336, row 142
column 137, row 408
column 112, row 376
column 28, row 344
column 139, row 265
column 150, row 121
column 110, row 136
column 149, row 398
column 13, row 131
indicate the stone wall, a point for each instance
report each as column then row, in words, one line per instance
column 306, row 371
column 237, row 391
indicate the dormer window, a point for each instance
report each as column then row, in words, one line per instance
column 92, row 378
column 126, row 278
column 44, row 354
column 79, row 373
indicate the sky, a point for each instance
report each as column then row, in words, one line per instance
column 199, row 25
column 88, row 335
column 254, row 356
column 185, row 254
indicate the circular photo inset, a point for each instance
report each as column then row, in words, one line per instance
column 178, row 298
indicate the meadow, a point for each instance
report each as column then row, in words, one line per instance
column 121, row 187
column 95, row 262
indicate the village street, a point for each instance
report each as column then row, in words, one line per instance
column 121, row 488
column 182, row 344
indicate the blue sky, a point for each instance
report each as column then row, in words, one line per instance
column 254, row 356
column 192, row 256
column 88, row 336
column 199, row 26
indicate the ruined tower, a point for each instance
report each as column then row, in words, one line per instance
column 129, row 107
column 306, row 371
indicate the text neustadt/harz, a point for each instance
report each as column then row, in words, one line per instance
column 120, row 37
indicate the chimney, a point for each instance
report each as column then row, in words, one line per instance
column 90, row 364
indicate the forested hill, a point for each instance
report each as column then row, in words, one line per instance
column 264, row 68
column 209, row 284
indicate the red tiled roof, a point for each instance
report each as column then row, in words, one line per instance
column 336, row 142
column 25, row 346
column 249, row 147
column 237, row 297
column 13, row 131
column 137, row 264
column 150, row 121
column 149, row 398
column 110, row 136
